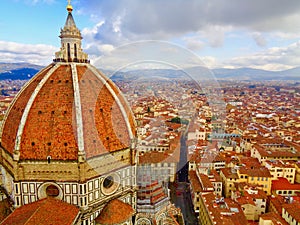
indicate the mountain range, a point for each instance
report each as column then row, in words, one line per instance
column 24, row 71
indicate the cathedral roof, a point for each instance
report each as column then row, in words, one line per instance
column 45, row 211
column 115, row 212
column 65, row 110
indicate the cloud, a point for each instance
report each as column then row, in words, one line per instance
column 194, row 43
column 158, row 53
column 274, row 58
column 164, row 19
column 34, row 2
column 259, row 39
column 36, row 54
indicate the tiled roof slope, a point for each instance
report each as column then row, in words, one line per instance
column 63, row 106
column 115, row 212
column 45, row 211
column 14, row 115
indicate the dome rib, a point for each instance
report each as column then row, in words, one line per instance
column 124, row 114
column 78, row 109
column 17, row 97
column 27, row 109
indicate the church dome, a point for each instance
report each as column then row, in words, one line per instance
column 68, row 109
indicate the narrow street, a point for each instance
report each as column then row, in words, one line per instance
column 180, row 191
column 181, row 197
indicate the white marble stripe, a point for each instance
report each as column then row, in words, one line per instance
column 123, row 111
column 78, row 112
column 29, row 105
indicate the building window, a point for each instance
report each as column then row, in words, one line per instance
column 75, row 51
column 52, row 191
column 69, row 51
column 108, row 182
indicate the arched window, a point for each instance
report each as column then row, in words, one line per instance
column 75, row 51
column 69, row 52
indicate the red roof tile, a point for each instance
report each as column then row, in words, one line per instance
column 293, row 209
column 283, row 184
column 195, row 181
column 114, row 212
column 274, row 217
column 45, row 211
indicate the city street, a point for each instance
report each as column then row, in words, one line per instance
column 181, row 197
column 180, row 191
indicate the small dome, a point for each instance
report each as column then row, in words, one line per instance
column 66, row 110
column 115, row 212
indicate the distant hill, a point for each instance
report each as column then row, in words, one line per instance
column 24, row 71
column 257, row 74
column 220, row 74
column 18, row 71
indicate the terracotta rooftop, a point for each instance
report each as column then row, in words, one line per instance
column 293, row 209
column 277, row 201
column 250, row 161
column 274, row 217
column 195, row 181
column 283, row 184
column 45, row 211
column 205, row 182
column 255, row 172
column 115, row 212
column 226, row 212
column 214, row 176
column 228, row 173
column 170, row 156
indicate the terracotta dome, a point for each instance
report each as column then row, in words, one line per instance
column 68, row 109
column 115, row 212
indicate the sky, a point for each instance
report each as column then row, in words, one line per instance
column 262, row 34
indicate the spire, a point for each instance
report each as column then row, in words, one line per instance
column 70, row 35
column 69, row 6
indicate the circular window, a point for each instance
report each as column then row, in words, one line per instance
column 52, row 191
column 110, row 184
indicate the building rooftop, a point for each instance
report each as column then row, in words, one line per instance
column 45, row 211
column 283, row 184
column 274, row 218
column 293, row 210
column 115, row 212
